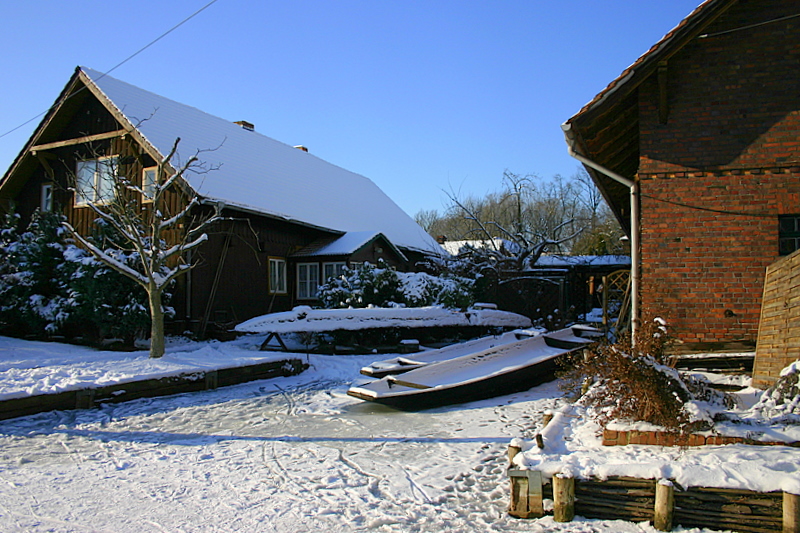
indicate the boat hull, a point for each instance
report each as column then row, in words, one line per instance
column 517, row 380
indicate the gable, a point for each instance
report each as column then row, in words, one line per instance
column 606, row 130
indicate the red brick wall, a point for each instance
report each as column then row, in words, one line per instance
column 731, row 145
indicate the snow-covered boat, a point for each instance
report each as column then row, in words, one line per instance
column 404, row 363
column 568, row 337
column 308, row 320
column 501, row 369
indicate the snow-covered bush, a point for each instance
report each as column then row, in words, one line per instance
column 631, row 383
column 382, row 286
column 48, row 286
column 34, row 292
column 781, row 402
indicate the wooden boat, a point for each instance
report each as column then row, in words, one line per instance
column 404, row 363
column 575, row 335
column 502, row 369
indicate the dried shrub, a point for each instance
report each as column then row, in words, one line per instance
column 628, row 381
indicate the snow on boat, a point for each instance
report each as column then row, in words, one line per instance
column 307, row 320
column 400, row 364
column 569, row 338
column 502, row 369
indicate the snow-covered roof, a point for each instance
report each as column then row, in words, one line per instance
column 497, row 243
column 587, row 260
column 347, row 244
column 262, row 175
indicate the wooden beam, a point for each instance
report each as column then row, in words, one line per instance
column 79, row 140
column 791, row 513
column 663, row 96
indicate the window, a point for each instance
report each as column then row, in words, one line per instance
column 46, row 203
column 788, row 234
column 277, row 275
column 95, row 180
column 307, row 280
column 149, row 183
column 332, row 270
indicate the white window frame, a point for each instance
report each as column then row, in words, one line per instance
column 149, row 184
column 277, row 275
column 46, row 198
column 333, row 269
column 307, row 281
column 99, row 188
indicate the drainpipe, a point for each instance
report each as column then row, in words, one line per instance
column 633, row 185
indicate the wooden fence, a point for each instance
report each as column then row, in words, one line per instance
column 779, row 327
column 661, row 502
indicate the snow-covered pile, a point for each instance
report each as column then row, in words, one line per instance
column 306, row 319
column 781, row 403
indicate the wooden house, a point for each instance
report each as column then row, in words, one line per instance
column 695, row 146
column 290, row 218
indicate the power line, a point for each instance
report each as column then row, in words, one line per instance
column 781, row 19
column 112, row 69
column 754, row 214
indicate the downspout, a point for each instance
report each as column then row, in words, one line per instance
column 633, row 185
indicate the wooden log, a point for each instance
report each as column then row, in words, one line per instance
column 564, row 496
column 664, row 506
column 791, row 513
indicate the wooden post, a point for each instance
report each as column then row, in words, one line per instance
column 526, row 494
column 512, row 452
column 665, row 505
column 791, row 513
column 84, row 399
column 564, row 496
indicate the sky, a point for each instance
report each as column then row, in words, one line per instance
column 427, row 99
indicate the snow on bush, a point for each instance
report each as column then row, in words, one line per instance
column 630, row 382
column 48, row 286
column 781, row 402
column 367, row 285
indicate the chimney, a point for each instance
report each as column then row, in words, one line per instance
column 301, row 147
column 246, row 125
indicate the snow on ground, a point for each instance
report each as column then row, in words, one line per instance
column 290, row 454
column 28, row 367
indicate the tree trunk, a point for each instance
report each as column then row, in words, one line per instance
column 156, row 323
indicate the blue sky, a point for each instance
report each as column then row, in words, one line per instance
column 421, row 97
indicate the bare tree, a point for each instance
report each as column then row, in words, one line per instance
column 141, row 215
column 525, row 247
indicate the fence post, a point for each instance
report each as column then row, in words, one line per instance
column 564, row 498
column 665, row 505
column 791, row 513
column 526, row 493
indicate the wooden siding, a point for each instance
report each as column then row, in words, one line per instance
column 779, row 329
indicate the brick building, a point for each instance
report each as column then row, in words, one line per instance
column 701, row 136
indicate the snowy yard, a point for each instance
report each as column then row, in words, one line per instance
column 289, row 455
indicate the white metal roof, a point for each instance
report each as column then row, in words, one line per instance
column 260, row 174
